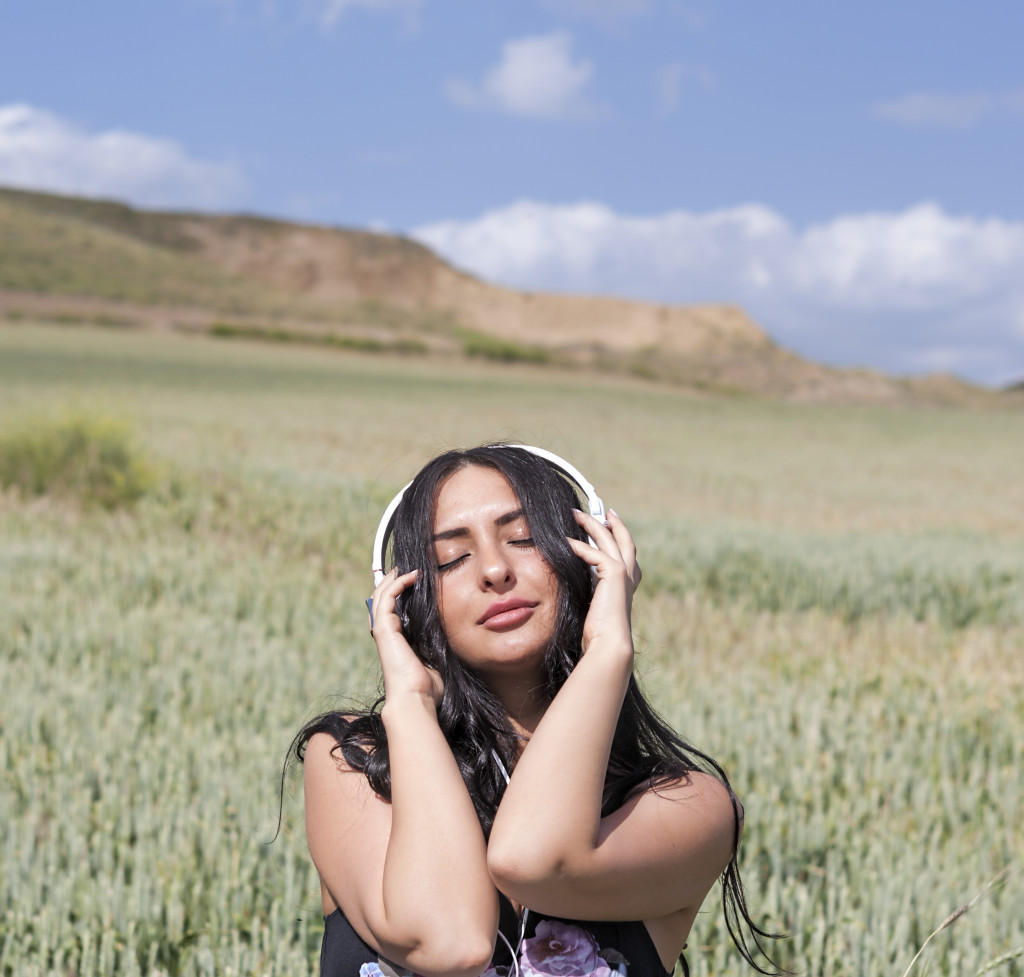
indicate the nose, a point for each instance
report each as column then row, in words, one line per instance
column 496, row 571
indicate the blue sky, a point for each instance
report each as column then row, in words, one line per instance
column 849, row 173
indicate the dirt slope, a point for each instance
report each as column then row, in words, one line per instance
column 112, row 260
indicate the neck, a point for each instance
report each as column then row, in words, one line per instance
column 525, row 701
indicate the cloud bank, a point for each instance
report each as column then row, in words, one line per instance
column 536, row 78
column 907, row 292
column 40, row 151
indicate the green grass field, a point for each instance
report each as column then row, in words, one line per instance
column 833, row 605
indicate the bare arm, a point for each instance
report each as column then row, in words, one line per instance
column 663, row 849
column 410, row 876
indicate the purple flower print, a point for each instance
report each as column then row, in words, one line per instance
column 382, row 968
column 562, row 950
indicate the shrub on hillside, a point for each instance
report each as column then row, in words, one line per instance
column 490, row 347
column 87, row 457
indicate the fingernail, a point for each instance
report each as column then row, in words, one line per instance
column 614, row 513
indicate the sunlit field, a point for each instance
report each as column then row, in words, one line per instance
column 833, row 606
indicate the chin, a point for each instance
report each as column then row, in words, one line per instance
column 523, row 656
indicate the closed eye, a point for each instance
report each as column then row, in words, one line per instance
column 450, row 565
column 527, row 541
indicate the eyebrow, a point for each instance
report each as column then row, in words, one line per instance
column 461, row 531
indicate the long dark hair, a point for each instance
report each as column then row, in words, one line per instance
column 646, row 753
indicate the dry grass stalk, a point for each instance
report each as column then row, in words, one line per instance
column 957, row 913
column 1000, row 960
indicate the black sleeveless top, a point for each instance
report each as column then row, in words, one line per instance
column 549, row 945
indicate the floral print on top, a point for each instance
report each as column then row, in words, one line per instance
column 556, row 950
column 563, row 950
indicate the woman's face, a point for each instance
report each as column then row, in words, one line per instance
column 498, row 596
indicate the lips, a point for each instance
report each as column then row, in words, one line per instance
column 507, row 613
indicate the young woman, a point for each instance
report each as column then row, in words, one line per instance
column 511, row 804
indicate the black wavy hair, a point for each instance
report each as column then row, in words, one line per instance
column 646, row 753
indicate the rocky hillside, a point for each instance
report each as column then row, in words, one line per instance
column 90, row 260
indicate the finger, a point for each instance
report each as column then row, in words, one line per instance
column 627, row 546
column 375, row 600
column 586, row 552
column 599, row 532
column 622, row 535
column 606, row 564
column 394, row 583
column 386, row 593
column 384, row 581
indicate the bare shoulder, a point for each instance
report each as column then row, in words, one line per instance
column 697, row 787
column 699, row 798
column 323, row 753
column 695, row 795
column 689, row 824
column 326, row 771
column 347, row 830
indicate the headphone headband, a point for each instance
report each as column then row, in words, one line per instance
column 594, row 503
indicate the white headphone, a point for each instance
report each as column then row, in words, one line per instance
column 594, row 503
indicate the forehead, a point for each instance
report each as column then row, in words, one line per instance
column 473, row 494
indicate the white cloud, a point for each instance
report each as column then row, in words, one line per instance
column 946, row 111
column 536, row 78
column 331, row 11
column 40, row 151
column 877, row 289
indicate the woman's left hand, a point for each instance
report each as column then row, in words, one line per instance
column 613, row 557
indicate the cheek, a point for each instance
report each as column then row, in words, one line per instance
column 443, row 604
column 450, row 606
column 547, row 583
column 547, row 577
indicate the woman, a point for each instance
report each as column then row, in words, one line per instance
column 511, row 804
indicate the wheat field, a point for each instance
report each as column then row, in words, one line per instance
column 833, row 606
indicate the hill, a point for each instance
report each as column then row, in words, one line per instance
column 78, row 259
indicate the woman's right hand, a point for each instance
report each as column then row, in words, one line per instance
column 404, row 673
column 409, row 872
